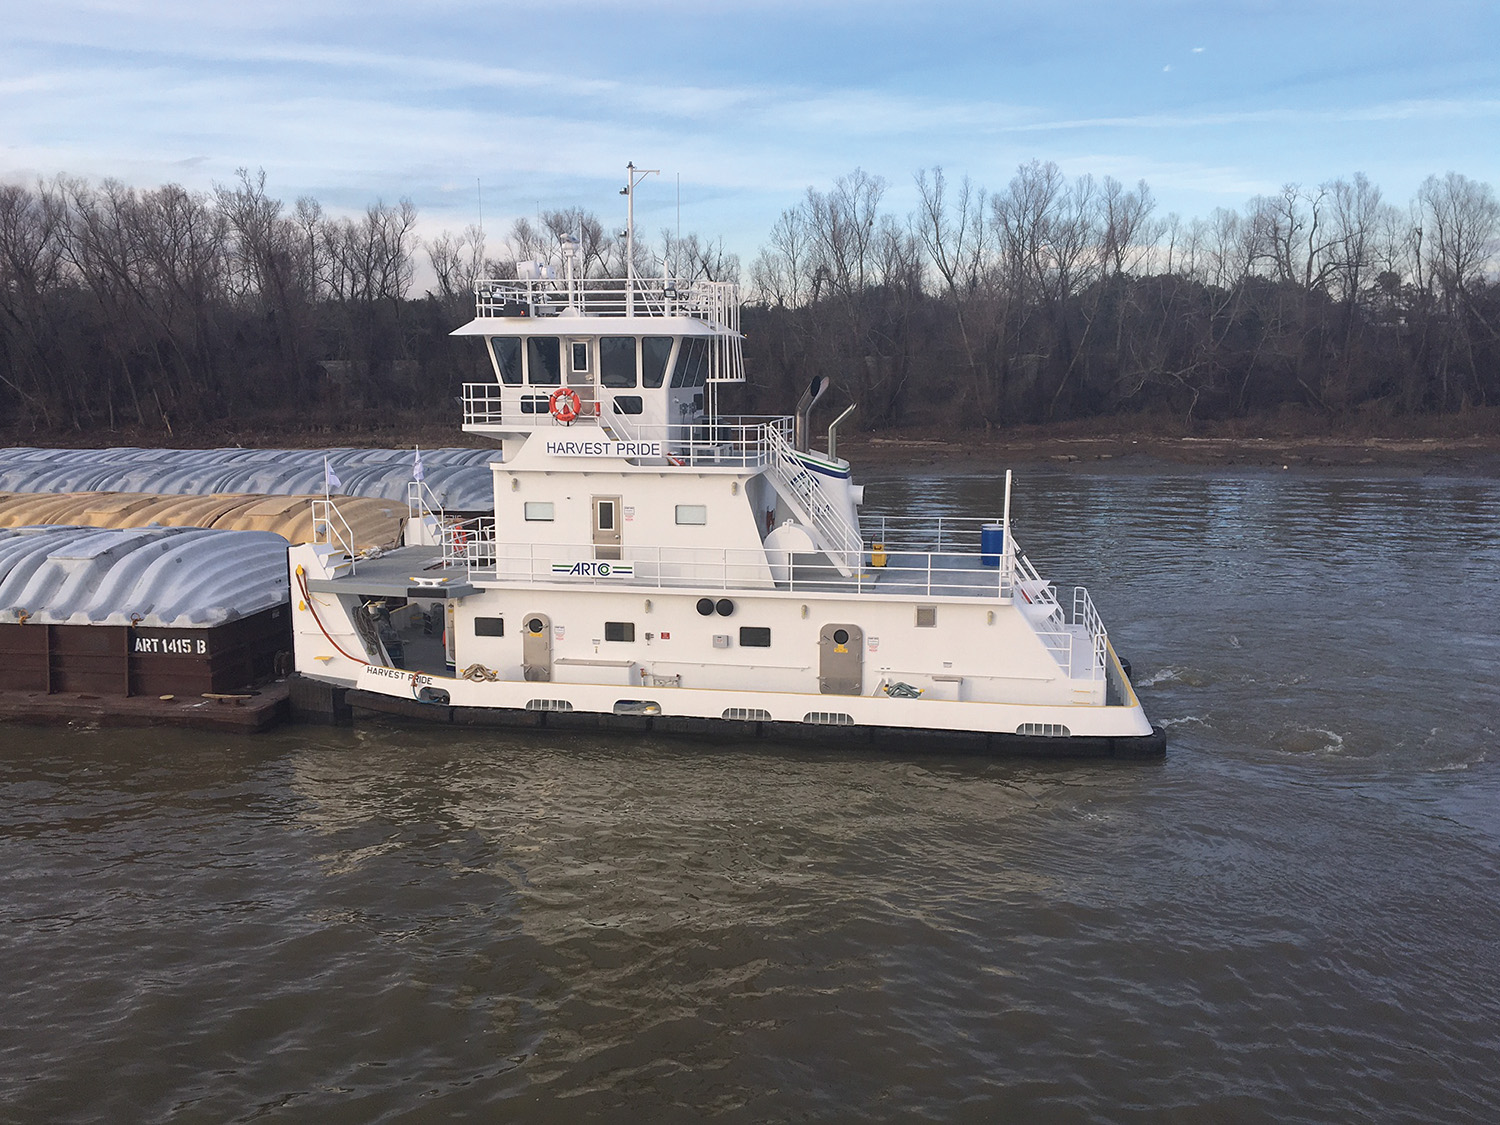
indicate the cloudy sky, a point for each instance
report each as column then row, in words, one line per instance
column 1210, row 101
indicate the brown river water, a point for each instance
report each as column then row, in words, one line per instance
column 1294, row 917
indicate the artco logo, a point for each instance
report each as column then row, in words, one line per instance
column 595, row 569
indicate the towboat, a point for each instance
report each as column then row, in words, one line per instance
column 654, row 564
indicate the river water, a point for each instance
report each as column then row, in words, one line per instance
column 1294, row 917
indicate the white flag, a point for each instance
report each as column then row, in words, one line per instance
column 416, row 465
column 330, row 478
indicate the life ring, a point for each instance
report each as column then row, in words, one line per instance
column 565, row 405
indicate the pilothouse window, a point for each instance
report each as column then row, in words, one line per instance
column 544, row 361
column 507, row 359
column 655, row 352
column 692, row 364
column 617, row 361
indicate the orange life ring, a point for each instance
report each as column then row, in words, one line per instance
column 565, row 405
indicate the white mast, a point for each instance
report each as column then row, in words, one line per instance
column 633, row 176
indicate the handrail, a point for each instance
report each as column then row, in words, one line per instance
column 716, row 303
column 841, row 541
column 422, row 501
column 473, row 544
column 331, row 529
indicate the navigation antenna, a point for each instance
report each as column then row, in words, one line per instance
column 633, row 176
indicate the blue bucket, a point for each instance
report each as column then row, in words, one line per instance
column 991, row 543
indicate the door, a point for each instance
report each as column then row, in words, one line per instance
column 536, row 647
column 580, row 369
column 606, row 527
column 841, row 660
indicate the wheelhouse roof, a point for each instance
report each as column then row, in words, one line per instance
column 589, row 326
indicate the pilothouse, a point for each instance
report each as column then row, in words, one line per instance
column 651, row 561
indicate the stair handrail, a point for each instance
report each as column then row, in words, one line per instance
column 839, row 537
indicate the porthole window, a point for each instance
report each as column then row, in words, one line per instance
column 535, row 626
column 706, row 606
column 841, row 636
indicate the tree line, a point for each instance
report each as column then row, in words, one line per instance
column 1049, row 299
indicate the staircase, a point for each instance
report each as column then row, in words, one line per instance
column 796, row 484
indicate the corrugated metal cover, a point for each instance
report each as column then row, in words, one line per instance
column 162, row 576
column 459, row 478
column 374, row 523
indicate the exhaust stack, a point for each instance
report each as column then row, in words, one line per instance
column 801, row 440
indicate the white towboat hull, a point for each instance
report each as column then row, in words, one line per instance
column 652, row 563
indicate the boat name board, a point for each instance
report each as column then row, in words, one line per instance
column 416, row 679
column 595, row 569
column 572, row 447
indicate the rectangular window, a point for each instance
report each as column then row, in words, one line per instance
column 507, row 351
column 605, row 513
column 684, row 361
column 580, row 357
column 692, row 364
column 617, row 361
column 692, row 513
column 619, row 630
column 655, row 352
column 628, row 404
column 753, row 636
column 539, row 509
column 489, row 626
column 533, row 404
column 543, row 361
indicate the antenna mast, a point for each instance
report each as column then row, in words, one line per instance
column 633, row 176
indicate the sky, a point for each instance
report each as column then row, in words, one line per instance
column 493, row 110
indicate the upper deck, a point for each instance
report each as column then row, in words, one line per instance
column 710, row 305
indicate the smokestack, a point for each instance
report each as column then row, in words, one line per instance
column 800, row 438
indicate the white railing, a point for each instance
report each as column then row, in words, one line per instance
column 330, row 529
column 922, row 533
column 483, row 404
column 716, row 303
column 1079, row 646
column 422, row 501
column 840, row 541
column 1085, row 615
column 472, row 544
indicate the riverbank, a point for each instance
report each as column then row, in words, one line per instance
column 1466, row 443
